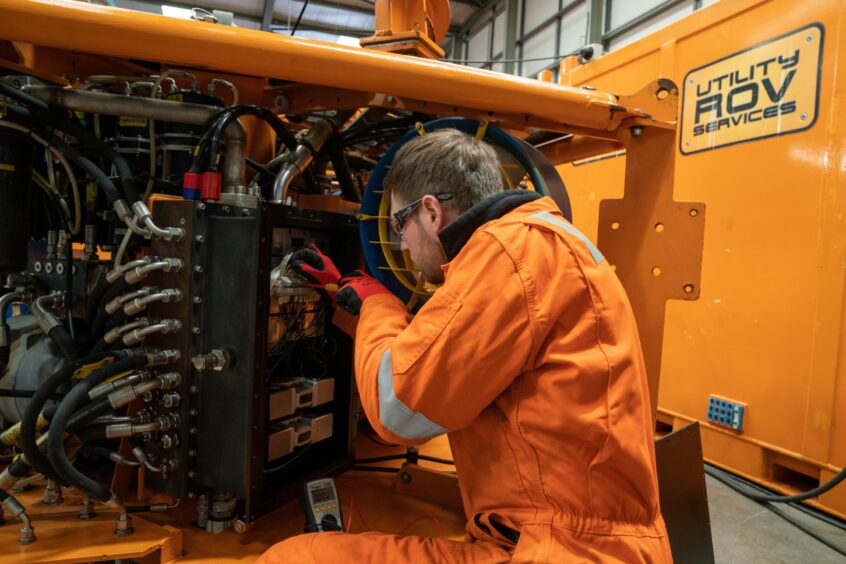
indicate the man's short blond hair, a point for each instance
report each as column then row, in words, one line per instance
column 446, row 160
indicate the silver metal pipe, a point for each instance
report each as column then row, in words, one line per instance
column 46, row 320
column 152, row 108
column 5, row 301
column 144, row 216
column 164, row 327
column 19, row 512
column 137, row 274
column 113, row 275
column 162, row 423
column 136, row 305
column 306, row 151
column 119, row 301
column 114, row 334
column 123, row 524
column 126, row 394
column 109, row 387
column 118, row 458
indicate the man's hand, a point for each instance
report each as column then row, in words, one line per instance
column 355, row 288
column 313, row 265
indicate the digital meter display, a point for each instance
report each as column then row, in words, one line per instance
column 322, row 494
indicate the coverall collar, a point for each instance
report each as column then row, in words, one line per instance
column 455, row 235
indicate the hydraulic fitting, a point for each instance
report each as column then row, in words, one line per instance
column 114, row 334
column 52, row 494
column 18, row 512
column 114, row 274
column 145, row 217
column 119, row 301
column 164, row 327
column 138, row 304
column 135, row 275
column 125, row 394
column 123, row 524
column 216, row 359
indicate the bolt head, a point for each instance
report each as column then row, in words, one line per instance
column 192, row 474
column 197, row 300
column 198, row 269
column 405, row 477
column 192, row 495
column 195, row 330
column 199, row 238
column 637, row 131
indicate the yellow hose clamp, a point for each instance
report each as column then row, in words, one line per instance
column 10, row 436
column 83, row 371
column 483, row 128
column 421, row 130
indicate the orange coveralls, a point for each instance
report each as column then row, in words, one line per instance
column 529, row 358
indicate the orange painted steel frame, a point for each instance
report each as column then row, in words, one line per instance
column 767, row 328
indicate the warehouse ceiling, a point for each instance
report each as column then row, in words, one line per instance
column 328, row 20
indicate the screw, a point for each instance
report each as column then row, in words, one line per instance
column 199, row 238
column 192, row 474
column 192, row 431
column 198, row 269
column 194, row 389
column 637, row 131
column 405, row 477
column 389, row 99
column 281, row 103
column 809, row 39
column 803, row 117
column 192, row 453
column 192, row 412
column 192, row 495
column 197, row 300
column 225, row 209
column 181, row 221
column 246, row 212
column 195, row 330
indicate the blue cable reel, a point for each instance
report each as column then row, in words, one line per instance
column 381, row 248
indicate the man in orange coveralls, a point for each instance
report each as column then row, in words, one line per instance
column 527, row 356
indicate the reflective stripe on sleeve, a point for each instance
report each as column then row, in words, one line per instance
column 396, row 416
column 548, row 217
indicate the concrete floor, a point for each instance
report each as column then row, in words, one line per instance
column 745, row 531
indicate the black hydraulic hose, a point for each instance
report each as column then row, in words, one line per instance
column 234, row 113
column 7, row 393
column 21, row 96
column 45, row 391
column 61, row 122
column 22, row 117
column 75, row 398
column 103, row 294
column 767, row 498
column 91, row 433
column 88, row 413
column 343, row 173
column 61, row 336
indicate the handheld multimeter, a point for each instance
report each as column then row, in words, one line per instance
column 322, row 506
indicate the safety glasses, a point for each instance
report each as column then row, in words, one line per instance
column 400, row 217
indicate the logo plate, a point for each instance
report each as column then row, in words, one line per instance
column 768, row 90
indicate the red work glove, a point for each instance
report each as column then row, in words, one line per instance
column 316, row 267
column 355, row 288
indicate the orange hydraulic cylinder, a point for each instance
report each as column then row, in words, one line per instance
column 121, row 33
